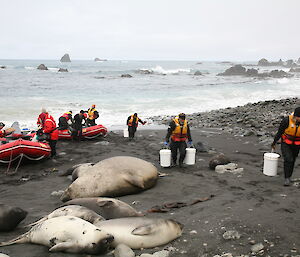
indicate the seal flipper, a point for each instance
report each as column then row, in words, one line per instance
column 18, row 240
column 144, row 230
column 69, row 247
column 135, row 180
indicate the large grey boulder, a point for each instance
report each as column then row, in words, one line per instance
column 263, row 62
column 42, row 67
column 219, row 159
column 236, row 70
column 65, row 58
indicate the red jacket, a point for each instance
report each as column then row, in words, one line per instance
column 2, row 133
column 50, row 127
column 41, row 119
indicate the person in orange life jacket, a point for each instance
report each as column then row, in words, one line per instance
column 133, row 123
column 92, row 116
column 289, row 132
column 41, row 118
column 63, row 120
column 179, row 131
column 77, row 125
column 49, row 128
column 2, row 131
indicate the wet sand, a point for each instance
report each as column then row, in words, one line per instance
column 258, row 207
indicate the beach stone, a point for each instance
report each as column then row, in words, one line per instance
column 42, row 67
column 145, row 255
column 200, row 147
column 257, row 247
column 219, row 159
column 231, row 234
column 57, row 193
column 123, row 250
column 163, row 253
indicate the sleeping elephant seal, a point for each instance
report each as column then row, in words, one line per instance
column 10, row 217
column 66, row 234
column 141, row 232
column 72, row 210
column 108, row 208
column 114, row 176
column 70, row 171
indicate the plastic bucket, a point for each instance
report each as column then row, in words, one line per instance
column 270, row 164
column 190, row 156
column 165, row 157
column 125, row 132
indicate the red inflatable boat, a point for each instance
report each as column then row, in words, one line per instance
column 31, row 150
column 87, row 132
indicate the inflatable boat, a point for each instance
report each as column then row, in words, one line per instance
column 12, row 150
column 87, row 132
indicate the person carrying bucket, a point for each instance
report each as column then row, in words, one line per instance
column 132, row 123
column 289, row 132
column 179, row 131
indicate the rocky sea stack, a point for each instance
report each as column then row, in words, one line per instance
column 42, row 67
column 65, row 58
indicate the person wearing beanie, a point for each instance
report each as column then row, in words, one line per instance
column 179, row 131
column 289, row 133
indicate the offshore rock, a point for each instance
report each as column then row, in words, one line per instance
column 42, row 67
column 65, row 58
column 62, row 70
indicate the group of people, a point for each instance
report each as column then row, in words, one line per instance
column 47, row 125
column 178, row 131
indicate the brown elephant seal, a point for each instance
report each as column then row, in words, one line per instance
column 108, row 208
column 142, row 232
column 10, row 217
column 72, row 210
column 111, row 177
column 66, row 234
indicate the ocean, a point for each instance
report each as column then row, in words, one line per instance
column 155, row 88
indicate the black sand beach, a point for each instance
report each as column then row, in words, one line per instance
column 258, row 207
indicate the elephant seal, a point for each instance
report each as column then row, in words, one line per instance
column 3, row 255
column 108, row 208
column 66, row 234
column 111, row 177
column 10, row 217
column 141, row 232
column 72, row 210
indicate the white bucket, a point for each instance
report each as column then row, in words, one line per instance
column 165, row 157
column 270, row 164
column 190, row 156
column 126, row 133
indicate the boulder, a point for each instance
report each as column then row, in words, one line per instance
column 62, row 70
column 236, row 70
column 279, row 74
column 126, row 76
column 198, row 73
column 219, row 159
column 252, row 72
column 65, row 58
column 42, row 67
column 263, row 62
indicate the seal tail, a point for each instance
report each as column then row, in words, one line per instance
column 18, row 240
column 36, row 222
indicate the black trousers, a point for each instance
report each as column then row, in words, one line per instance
column 175, row 146
column 52, row 144
column 62, row 123
column 289, row 153
column 131, row 131
column 77, row 133
column 90, row 123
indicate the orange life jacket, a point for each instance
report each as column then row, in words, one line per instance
column 179, row 134
column 291, row 135
column 130, row 122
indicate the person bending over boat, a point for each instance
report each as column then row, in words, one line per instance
column 63, row 121
column 132, row 123
column 5, row 132
column 41, row 118
column 50, row 129
column 93, row 114
column 77, row 125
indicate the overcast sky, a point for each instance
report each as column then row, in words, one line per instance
column 150, row 30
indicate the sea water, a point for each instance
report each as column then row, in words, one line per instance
column 155, row 88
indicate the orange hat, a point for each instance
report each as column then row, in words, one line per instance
column 93, row 105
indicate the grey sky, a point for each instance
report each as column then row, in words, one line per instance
column 144, row 29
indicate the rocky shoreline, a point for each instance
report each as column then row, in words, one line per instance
column 259, row 119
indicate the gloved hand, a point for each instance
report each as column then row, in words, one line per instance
column 166, row 143
column 190, row 143
column 273, row 146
